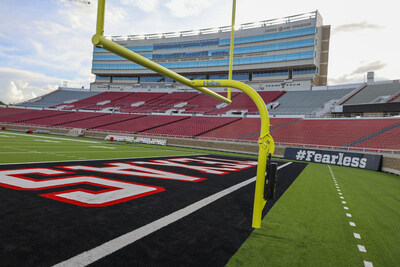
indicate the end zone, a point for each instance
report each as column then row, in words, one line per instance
column 149, row 196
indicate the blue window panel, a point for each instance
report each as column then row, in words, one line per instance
column 212, row 63
column 124, row 78
column 271, row 36
column 188, row 44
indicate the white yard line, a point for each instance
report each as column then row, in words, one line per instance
column 118, row 243
column 361, row 248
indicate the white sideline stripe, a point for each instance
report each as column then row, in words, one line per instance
column 352, row 224
column 346, row 208
column 348, row 214
column 357, row 236
column 361, row 248
column 113, row 245
column 341, row 197
column 344, row 202
column 47, row 141
column 106, row 147
column 49, row 137
column 368, row 264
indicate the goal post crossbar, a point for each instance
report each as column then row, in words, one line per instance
column 265, row 141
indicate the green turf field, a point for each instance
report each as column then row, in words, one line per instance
column 309, row 225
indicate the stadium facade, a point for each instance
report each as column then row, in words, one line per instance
column 289, row 53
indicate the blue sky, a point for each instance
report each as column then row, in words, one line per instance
column 45, row 42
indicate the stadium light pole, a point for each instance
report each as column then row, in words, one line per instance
column 265, row 141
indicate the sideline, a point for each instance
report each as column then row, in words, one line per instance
column 49, row 137
column 120, row 242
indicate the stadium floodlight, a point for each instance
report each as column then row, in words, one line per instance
column 265, row 141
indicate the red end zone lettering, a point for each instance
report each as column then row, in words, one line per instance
column 218, row 167
column 118, row 191
column 133, row 170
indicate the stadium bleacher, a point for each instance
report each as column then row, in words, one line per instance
column 96, row 102
column 138, row 108
column 375, row 93
column 59, row 97
column 140, row 123
column 327, row 132
column 99, row 121
column 243, row 129
column 388, row 140
column 26, row 117
column 9, row 111
column 191, row 127
column 305, row 102
column 242, row 102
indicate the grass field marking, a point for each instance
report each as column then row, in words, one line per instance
column 120, row 242
column 361, row 248
column 105, row 147
column 47, row 141
column 49, row 137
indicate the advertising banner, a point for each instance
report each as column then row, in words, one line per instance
column 348, row 159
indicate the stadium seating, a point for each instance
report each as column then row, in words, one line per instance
column 140, row 123
column 389, row 140
column 373, row 93
column 59, row 97
column 93, row 101
column 243, row 102
column 306, row 102
column 27, row 117
column 244, row 128
column 327, row 132
column 192, row 126
column 203, row 103
column 65, row 117
column 10, row 111
column 98, row 121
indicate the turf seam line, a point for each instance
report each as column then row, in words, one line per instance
column 120, row 242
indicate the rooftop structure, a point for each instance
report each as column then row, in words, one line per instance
column 290, row 49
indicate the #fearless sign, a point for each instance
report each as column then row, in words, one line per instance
column 348, row 159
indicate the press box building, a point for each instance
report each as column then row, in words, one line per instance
column 289, row 53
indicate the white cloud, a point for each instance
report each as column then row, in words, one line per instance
column 186, row 8
column 20, row 85
column 144, row 5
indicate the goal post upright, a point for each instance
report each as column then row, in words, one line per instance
column 265, row 141
column 266, row 144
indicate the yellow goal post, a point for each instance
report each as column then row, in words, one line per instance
column 265, row 141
